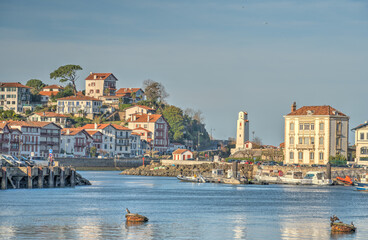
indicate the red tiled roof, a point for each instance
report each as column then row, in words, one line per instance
column 50, row 114
column 72, row 131
column 360, row 126
column 29, row 124
column 99, row 76
column 92, row 126
column 141, row 129
column 141, row 106
column 2, row 125
column 92, row 132
column 180, row 151
column 13, row 84
column 79, row 98
column 48, row 93
column 145, row 117
column 316, row 110
column 53, row 87
column 119, row 127
column 127, row 90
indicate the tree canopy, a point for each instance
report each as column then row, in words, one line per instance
column 36, row 85
column 155, row 92
column 67, row 73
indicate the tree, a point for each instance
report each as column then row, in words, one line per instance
column 155, row 92
column 174, row 116
column 67, row 73
column 68, row 91
column 36, row 85
column 93, row 151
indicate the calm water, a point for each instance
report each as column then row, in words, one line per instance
column 179, row 210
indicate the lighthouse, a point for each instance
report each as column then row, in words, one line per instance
column 242, row 130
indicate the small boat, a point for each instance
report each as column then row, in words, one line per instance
column 267, row 176
column 340, row 226
column 362, row 180
column 134, row 217
column 362, row 188
column 233, row 181
column 316, row 178
column 292, row 177
column 345, row 181
column 198, row 179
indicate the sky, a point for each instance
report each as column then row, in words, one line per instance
column 219, row 57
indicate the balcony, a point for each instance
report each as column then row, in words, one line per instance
column 50, row 134
column 4, row 140
column 97, row 140
column 80, row 144
column 305, row 146
column 14, row 140
column 48, row 143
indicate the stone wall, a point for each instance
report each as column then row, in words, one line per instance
column 103, row 163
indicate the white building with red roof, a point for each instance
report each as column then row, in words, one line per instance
column 81, row 105
column 134, row 94
column 48, row 91
column 361, row 143
column 100, row 84
column 314, row 133
column 54, row 117
column 13, row 96
column 97, row 139
column 182, row 154
column 76, row 141
column 157, row 125
column 138, row 109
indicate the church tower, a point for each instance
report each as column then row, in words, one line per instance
column 242, row 130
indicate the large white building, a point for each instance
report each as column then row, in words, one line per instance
column 75, row 141
column 13, row 96
column 82, row 105
column 100, row 84
column 361, row 143
column 314, row 133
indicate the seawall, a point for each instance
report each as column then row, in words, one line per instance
column 100, row 163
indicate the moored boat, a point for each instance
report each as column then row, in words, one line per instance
column 134, row 217
column 340, row 226
column 267, row 176
column 316, row 178
column 292, row 177
column 198, row 179
column 345, row 181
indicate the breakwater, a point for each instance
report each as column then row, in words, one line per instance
column 100, row 163
column 40, row 177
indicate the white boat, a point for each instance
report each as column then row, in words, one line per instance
column 267, row 176
column 199, row 179
column 316, row 178
column 292, row 177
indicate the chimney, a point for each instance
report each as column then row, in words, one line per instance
column 96, row 126
column 44, row 113
column 68, row 131
column 293, row 107
column 94, row 76
column 148, row 118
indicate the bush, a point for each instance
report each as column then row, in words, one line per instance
column 338, row 160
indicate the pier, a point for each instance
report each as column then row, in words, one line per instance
column 39, row 177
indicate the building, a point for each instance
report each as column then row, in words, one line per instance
column 314, row 133
column 182, row 154
column 81, row 105
column 138, row 145
column 54, row 117
column 138, row 109
column 13, row 96
column 4, row 138
column 134, row 94
column 242, row 132
column 49, row 91
column 157, row 125
column 116, row 138
column 75, row 141
column 97, row 139
column 100, row 84
column 361, row 143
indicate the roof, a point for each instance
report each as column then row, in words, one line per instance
column 137, row 134
column 92, row 132
column 128, row 90
column 99, row 76
column 72, row 131
column 180, row 151
column 103, row 126
column 29, row 124
column 48, row 93
column 2, row 125
column 141, row 129
column 50, row 114
column 79, row 98
column 360, row 126
column 141, row 106
column 316, row 110
column 53, row 86
column 13, row 84
column 119, row 127
column 145, row 117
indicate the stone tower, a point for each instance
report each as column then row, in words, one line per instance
column 242, row 130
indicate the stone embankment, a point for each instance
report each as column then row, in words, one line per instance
column 205, row 169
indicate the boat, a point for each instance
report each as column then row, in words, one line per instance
column 362, row 180
column 134, row 217
column 345, row 181
column 340, row 226
column 362, row 188
column 231, row 181
column 267, row 176
column 316, row 178
column 292, row 177
column 195, row 178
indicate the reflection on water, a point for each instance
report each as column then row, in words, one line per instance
column 179, row 210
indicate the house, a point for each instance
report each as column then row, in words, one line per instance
column 116, row 138
column 100, row 84
column 97, row 139
column 157, row 125
column 48, row 91
column 54, row 117
column 182, row 154
column 4, row 138
column 138, row 145
column 81, row 105
column 76, row 141
column 13, row 96
column 138, row 109
column 314, row 133
column 134, row 94
column 361, row 143
column 174, row 146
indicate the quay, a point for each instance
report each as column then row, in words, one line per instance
column 39, row 177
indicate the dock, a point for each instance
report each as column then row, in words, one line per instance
column 38, row 177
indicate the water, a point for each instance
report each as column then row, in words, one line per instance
column 179, row 210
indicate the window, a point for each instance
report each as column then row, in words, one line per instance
column 300, row 155
column 98, row 91
column 306, row 140
column 338, row 127
column 306, row 126
column 311, row 155
column 362, row 136
column 321, row 126
column 291, row 140
column 300, row 140
column 321, row 156
column 321, row 141
column 364, row 150
column 300, row 126
column 312, row 140
column 338, row 142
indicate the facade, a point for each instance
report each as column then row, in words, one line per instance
column 134, row 94
column 182, row 154
column 100, row 84
column 13, row 96
column 82, row 105
column 49, row 91
column 57, row 118
column 97, row 139
column 138, row 145
column 314, row 133
column 76, row 141
column 157, row 125
column 138, row 109
column 361, row 143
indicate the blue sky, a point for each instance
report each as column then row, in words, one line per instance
column 220, row 57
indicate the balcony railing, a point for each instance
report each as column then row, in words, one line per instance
column 79, row 144
column 4, row 140
column 50, row 134
column 97, row 140
column 48, row 143
column 304, row 146
column 14, row 140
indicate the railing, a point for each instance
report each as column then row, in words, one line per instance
column 97, row 140
column 304, row 146
column 79, row 144
column 14, row 140
column 48, row 143
column 50, row 134
column 2, row 140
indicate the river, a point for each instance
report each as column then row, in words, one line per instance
column 179, row 210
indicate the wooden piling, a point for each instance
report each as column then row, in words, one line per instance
column 51, row 177
column 4, row 180
column 62, row 177
column 72, row 177
column 29, row 178
column 40, row 177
